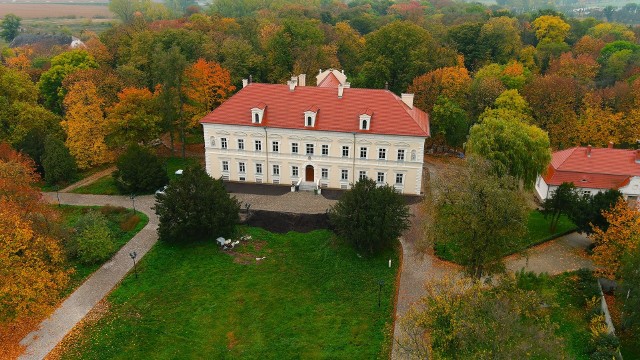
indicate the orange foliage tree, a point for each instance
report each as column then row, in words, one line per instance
column 207, row 85
column 622, row 236
column 599, row 124
column 451, row 82
column 32, row 274
column 85, row 125
column 134, row 118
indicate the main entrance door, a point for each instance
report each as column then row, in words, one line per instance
column 309, row 173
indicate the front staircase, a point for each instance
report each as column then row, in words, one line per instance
column 307, row 186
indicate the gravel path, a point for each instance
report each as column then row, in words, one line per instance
column 89, row 179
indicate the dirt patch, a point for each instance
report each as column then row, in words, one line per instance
column 247, row 253
column 232, row 341
column 283, row 222
column 98, row 312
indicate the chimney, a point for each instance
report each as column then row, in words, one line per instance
column 250, row 79
column 347, row 85
column 245, row 82
column 302, row 80
column 340, row 91
column 637, row 156
column 407, row 99
column 588, row 150
column 319, row 71
column 292, row 85
column 386, row 85
column 610, row 144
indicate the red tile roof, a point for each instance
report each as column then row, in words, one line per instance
column 605, row 169
column 329, row 81
column 285, row 109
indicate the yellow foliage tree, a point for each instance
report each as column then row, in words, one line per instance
column 621, row 236
column 551, row 29
column 451, row 82
column 599, row 125
column 207, row 85
column 85, row 125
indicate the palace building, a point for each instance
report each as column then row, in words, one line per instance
column 325, row 136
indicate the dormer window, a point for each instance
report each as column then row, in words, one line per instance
column 365, row 119
column 310, row 117
column 257, row 113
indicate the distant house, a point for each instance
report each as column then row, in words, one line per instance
column 46, row 40
column 329, row 135
column 593, row 170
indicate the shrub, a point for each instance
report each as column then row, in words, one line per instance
column 93, row 241
column 129, row 223
column 139, row 171
column 196, row 207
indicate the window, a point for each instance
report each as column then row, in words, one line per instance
column 363, row 153
column 345, row 151
column 223, row 143
column 399, row 178
column 380, row 177
column 294, row 148
column 294, row 171
column 365, row 125
column 309, row 149
column 344, row 175
column 325, row 150
column 258, row 145
column 401, row 155
column 275, row 146
column 225, row 166
column 241, row 167
column 240, row 144
column 382, row 154
column 365, row 121
column 325, row 173
column 363, row 175
column 276, row 170
column 258, row 168
column 256, row 118
column 309, row 121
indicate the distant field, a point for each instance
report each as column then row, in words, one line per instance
column 88, row 9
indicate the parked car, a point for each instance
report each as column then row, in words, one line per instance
column 162, row 190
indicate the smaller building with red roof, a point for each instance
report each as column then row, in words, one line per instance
column 593, row 170
column 324, row 136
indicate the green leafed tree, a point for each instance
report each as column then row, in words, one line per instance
column 562, row 201
column 629, row 290
column 196, row 207
column 515, row 148
column 9, row 27
column 477, row 215
column 93, row 242
column 450, row 120
column 371, row 217
column 139, row 171
column 587, row 212
column 58, row 164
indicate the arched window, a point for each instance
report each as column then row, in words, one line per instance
column 309, row 121
column 256, row 118
column 365, row 125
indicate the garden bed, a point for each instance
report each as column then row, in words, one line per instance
column 311, row 296
column 538, row 233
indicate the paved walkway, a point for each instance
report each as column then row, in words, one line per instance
column 89, row 179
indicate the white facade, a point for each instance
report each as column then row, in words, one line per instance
column 327, row 158
column 630, row 192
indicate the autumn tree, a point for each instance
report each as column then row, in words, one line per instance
column 207, row 85
column 584, row 68
column 477, row 215
column 33, row 272
column 599, row 125
column 621, row 237
column 85, row 126
column 515, row 148
column 134, row 118
column 50, row 83
column 450, row 82
column 463, row 318
column 551, row 29
column 501, row 37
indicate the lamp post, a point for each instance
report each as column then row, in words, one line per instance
column 133, row 257
column 133, row 201
column 58, row 194
column 380, row 284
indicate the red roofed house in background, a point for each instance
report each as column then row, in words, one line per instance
column 325, row 136
column 593, row 170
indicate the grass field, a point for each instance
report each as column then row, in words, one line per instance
column 538, row 232
column 311, row 297
column 106, row 186
column 71, row 214
column 58, row 10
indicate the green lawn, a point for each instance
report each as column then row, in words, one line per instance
column 106, row 186
column 538, row 232
column 71, row 214
column 312, row 297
